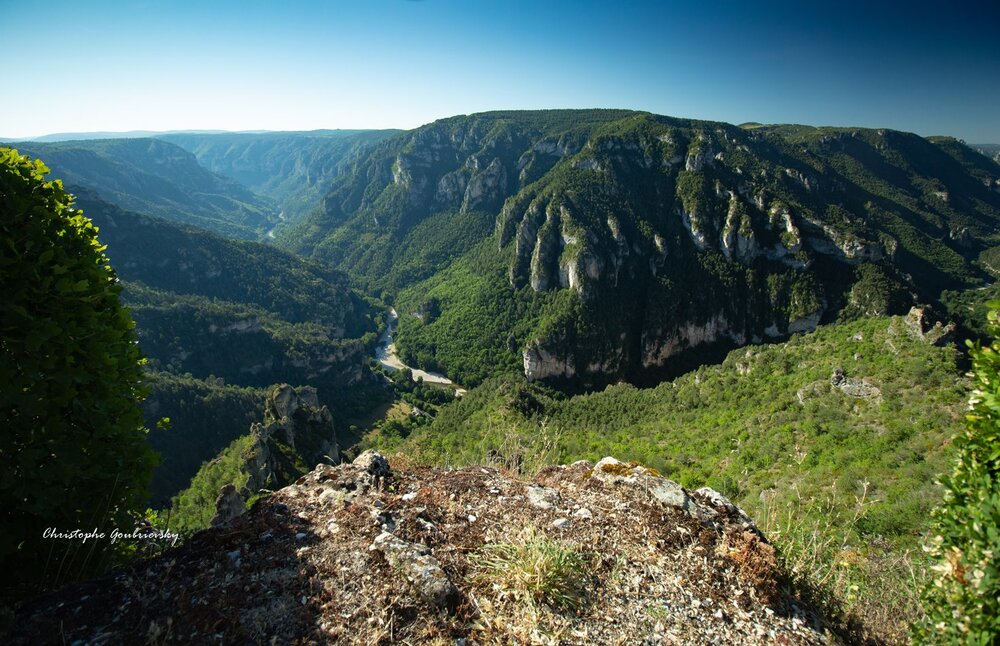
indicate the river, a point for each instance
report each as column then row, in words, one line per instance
column 385, row 353
column 281, row 218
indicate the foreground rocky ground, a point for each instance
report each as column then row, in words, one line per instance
column 608, row 553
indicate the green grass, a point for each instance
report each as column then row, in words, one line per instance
column 193, row 508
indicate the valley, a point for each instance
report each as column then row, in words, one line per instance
column 385, row 354
column 474, row 323
column 776, row 312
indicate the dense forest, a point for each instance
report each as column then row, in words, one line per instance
column 504, row 237
column 218, row 321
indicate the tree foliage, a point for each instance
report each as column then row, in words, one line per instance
column 73, row 447
column 963, row 604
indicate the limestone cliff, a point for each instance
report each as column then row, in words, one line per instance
column 296, row 433
column 668, row 233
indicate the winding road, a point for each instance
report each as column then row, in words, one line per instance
column 385, row 353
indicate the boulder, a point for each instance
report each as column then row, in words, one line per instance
column 228, row 505
column 420, row 569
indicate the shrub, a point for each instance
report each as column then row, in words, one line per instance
column 963, row 604
column 73, row 445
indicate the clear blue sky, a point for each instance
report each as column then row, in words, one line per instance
column 931, row 68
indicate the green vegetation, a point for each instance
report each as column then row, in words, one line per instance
column 477, row 314
column 969, row 310
column 183, row 333
column 205, row 417
column 532, row 568
column 842, row 475
column 596, row 248
column 294, row 169
column 171, row 257
column 963, row 603
column 194, row 507
column 618, row 232
column 767, row 418
column 158, row 178
column 878, row 291
column 221, row 319
column 270, row 456
column 72, row 382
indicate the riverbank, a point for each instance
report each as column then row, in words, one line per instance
column 385, row 354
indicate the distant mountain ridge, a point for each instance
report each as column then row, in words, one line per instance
column 158, row 178
column 295, row 169
column 142, row 134
column 594, row 245
column 102, row 134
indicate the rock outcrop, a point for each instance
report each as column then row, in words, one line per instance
column 228, row 506
column 542, row 363
column 360, row 554
column 294, row 424
column 920, row 323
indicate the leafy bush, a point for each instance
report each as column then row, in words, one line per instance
column 73, row 444
column 963, row 604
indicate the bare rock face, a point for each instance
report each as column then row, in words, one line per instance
column 738, row 239
column 542, row 497
column 282, row 403
column 825, row 239
column 541, row 363
column 487, row 188
column 920, row 323
column 697, row 227
column 708, row 507
column 451, row 187
column 228, row 506
column 852, row 387
column 699, row 154
column 373, row 463
column 291, row 413
column 660, row 345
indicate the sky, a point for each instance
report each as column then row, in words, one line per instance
column 928, row 67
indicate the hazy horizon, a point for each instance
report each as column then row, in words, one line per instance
column 52, row 137
column 300, row 66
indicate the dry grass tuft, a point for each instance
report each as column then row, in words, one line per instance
column 532, row 568
column 756, row 561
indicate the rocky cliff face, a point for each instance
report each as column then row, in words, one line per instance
column 296, row 431
column 360, row 553
column 628, row 211
column 293, row 420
